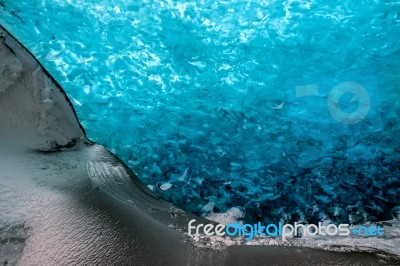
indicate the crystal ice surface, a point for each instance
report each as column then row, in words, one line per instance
column 288, row 110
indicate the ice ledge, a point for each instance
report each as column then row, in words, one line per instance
column 34, row 109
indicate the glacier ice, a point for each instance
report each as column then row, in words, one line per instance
column 79, row 204
column 207, row 90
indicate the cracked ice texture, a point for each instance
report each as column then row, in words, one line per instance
column 199, row 97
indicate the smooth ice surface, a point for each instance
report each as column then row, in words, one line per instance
column 235, row 103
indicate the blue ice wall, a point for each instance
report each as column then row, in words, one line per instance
column 287, row 109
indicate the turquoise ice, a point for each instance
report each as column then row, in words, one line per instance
column 199, row 98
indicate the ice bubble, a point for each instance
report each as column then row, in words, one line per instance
column 165, row 186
